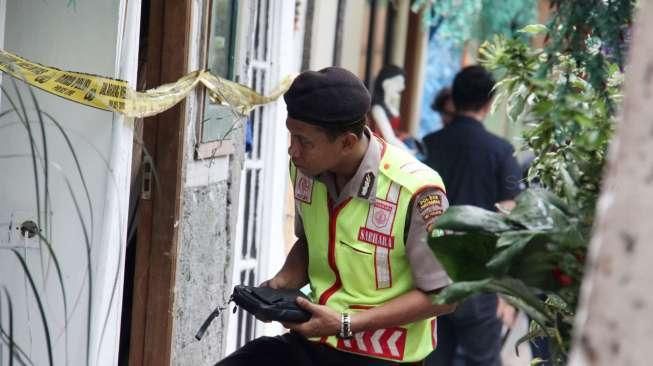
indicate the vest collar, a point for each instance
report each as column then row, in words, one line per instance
column 363, row 184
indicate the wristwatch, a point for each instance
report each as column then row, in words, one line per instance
column 345, row 327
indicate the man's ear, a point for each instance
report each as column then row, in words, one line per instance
column 348, row 141
column 487, row 108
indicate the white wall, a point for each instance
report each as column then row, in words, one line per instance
column 273, row 253
column 323, row 35
column 355, row 23
column 3, row 10
column 99, row 37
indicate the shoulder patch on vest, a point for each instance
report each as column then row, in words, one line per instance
column 429, row 206
column 303, row 188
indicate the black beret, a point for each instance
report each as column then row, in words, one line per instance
column 329, row 97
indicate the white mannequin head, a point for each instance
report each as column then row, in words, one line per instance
column 392, row 88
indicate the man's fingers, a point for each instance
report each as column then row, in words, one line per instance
column 305, row 304
column 271, row 283
column 292, row 326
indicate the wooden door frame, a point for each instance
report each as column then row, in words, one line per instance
column 158, row 234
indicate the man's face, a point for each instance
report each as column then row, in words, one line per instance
column 310, row 149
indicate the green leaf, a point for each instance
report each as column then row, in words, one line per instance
column 532, row 311
column 459, row 291
column 513, row 243
column 534, row 29
column 534, row 332
column 463, row 256
column 556, row 302
column 473, row 219
column 520, row 295
column 539, row 210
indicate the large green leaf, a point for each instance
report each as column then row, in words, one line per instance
column 539, row 210
column 459, row 291
column 474, row 219
column 463, row 256
column 515, row 291
column 522, row 296
column 534, row 266
column 512, row 244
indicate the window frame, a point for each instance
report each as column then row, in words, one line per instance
column 225, row 147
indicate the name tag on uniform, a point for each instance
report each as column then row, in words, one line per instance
column 376, row 238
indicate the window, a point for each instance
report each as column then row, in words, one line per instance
column 218, row 122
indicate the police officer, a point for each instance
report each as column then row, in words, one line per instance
column 363, row 212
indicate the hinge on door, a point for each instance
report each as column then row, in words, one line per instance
column 146, row 184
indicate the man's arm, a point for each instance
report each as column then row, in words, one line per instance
column 294, row 273
column 510, row 180
column 407, row 308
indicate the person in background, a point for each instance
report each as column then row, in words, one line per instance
column 443, row 104
column 479, row 169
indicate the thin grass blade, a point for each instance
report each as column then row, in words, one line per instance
column 44, row 319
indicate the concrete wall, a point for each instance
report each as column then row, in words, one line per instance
column 203, row 273
column 94, row 37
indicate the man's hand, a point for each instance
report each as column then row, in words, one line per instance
column 506, row 312
column 324, row 320
column 274, row 282
column 294, row 273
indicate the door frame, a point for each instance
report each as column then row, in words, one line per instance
column 158, row 233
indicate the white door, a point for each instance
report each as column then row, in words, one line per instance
column 82, row 210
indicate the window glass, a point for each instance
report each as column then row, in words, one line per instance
column 218, row 121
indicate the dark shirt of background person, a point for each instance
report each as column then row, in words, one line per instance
column 478, row 167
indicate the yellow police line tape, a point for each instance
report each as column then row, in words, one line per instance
column 117, row 96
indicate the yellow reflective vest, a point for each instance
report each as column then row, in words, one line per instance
column 356, row 253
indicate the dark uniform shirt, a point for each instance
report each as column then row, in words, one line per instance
column 478, row 168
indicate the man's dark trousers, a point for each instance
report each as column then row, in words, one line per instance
column 292, row 349
column 475, row 327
